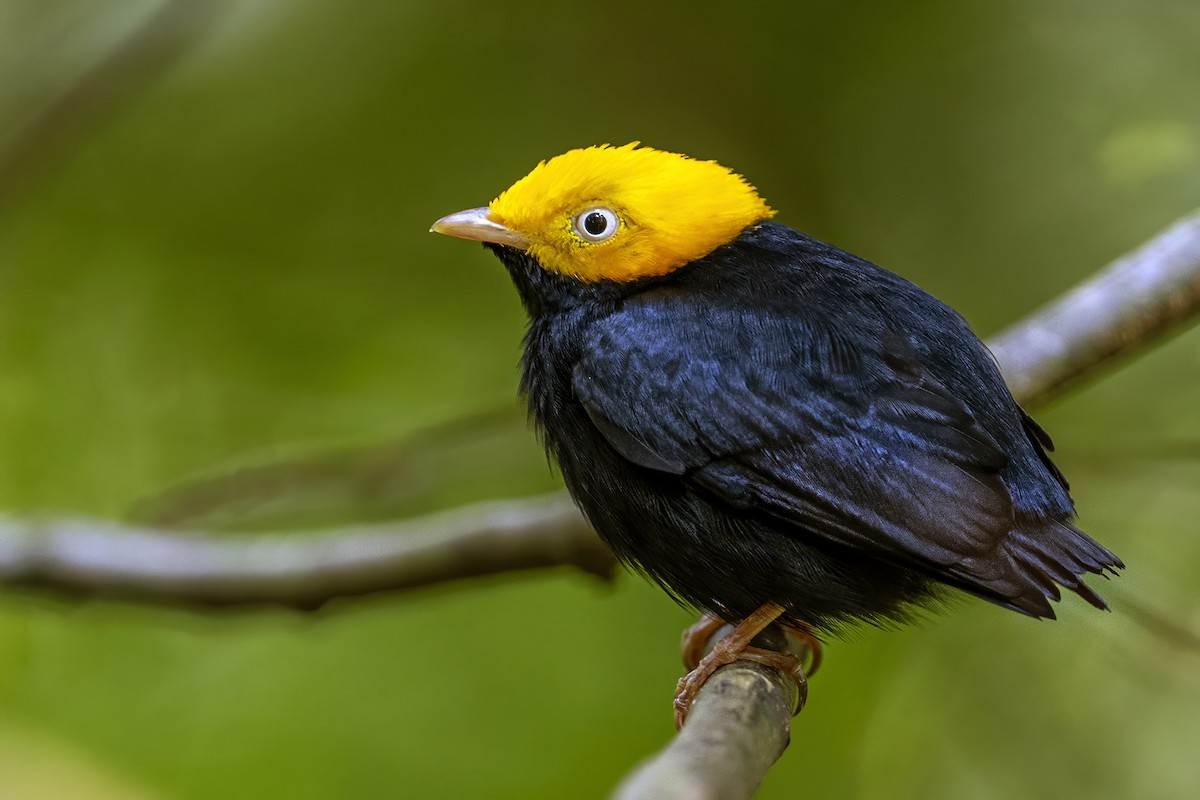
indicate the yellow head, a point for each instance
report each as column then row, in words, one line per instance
column 616, row 213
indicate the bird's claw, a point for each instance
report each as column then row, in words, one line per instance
column 690, row 684
column 735, row 646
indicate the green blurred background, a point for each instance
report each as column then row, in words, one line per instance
column 222, row 259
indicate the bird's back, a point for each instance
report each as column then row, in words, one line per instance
column 806, row 407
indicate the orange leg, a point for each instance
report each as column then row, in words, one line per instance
column 814, row 646
column 695, row 639
column 735, row 647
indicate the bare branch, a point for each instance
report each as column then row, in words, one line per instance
column 1135, row 302
column 738, row 727
column 93, row 557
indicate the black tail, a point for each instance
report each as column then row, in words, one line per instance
column 1051, row 555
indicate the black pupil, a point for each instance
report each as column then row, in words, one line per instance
column 595, row 223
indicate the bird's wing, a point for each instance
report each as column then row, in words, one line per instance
column 855, row 442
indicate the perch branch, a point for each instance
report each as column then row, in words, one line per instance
column 737, row 727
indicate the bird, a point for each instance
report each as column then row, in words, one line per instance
column 772, row 429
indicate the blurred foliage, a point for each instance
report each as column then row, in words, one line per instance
column 227, row 267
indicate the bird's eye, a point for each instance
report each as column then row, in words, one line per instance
column 596, row 224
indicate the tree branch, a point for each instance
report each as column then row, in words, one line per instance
column 737, row 727
column 88, row 557
column 1135, row 302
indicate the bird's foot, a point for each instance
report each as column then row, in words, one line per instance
column 735, row 646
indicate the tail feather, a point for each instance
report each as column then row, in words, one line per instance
column 1029, row 565
column 1056, row 553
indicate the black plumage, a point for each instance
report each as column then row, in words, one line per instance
column 783, row 421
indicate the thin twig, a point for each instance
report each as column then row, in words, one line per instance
column 90, row 557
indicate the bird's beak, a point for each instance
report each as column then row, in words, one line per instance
column 474, row 224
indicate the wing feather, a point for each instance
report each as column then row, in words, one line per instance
column 854, row 442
